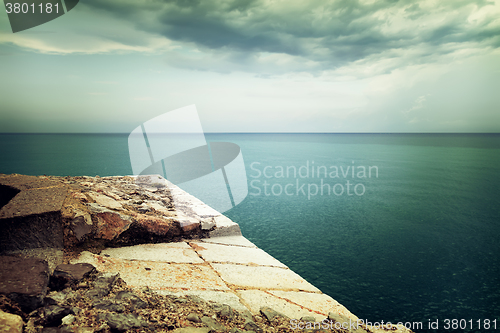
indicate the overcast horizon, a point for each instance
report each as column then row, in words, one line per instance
column 257, row 67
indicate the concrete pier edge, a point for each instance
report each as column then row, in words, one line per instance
column 221, row 266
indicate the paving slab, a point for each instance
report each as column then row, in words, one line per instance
column 255, row 299
column 179, row 252
column 321, row 303
column 235, row 254
column 237, row 240
column 157, row 275
column 262, row 277
column 220, row 297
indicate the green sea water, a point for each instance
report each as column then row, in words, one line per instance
column 415, row 241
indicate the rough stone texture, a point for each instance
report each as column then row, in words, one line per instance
column 24, row 281
column 111, row 224
column 53, row 256
column 30, row 212
column 156, row 225
column 37, row 195
column 192, row 330
column 31, row 231
column 81, row 225
column 212, row 324
column 66, row 275
column 105, row 201
column 85, row 212
column 221, row 297
column 10, row 323
column 122, row 322
column 271, row 313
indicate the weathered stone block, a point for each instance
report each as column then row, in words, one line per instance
column 24, row 281
column 66, row 275
column 30, row 212
column 10, row 323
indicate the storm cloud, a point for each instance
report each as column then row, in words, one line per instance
column 265, row 35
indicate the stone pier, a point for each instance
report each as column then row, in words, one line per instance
column 158, row 237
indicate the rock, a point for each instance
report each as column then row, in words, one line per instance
column 247, row 315
column 68, row 320
column 193, row 317
column 105, row 201
column 9, row 306
column 58, row 298
column 84, row 330
column 207, row 223
column 56, row 330
column 151, row 181
column 24, row 281
column 192, row 330
column 225, row 227
column 237, row 330
column 132, row 299
column 111, row 224
column 196, row 299
column 252, row 326
column 10, row 323
column 106, row 281
column 81, row 225
column 66, row 275
column 180, row 300
column 160, row 207
column 226, row 312
column 270, row 313
column 110, row 306
column 53, row 314
column 144, row 209
column 154, row 225
column 102, row 285
column 122, row 322
column 30, row 212
column 308, row 318
column 90, row 212
column 212, row 324
column 189, row 225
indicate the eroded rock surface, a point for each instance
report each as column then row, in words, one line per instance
column 24, row 281
column 91, row 212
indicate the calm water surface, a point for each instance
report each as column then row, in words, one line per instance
column 415, row 241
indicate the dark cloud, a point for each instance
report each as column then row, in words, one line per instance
column 330, row 33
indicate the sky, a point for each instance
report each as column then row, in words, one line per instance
column 256, row 66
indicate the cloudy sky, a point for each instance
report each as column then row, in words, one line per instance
column 257, row 66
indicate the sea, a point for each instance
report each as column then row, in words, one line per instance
column 396, row 227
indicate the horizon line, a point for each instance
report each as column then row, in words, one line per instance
column 126, row 133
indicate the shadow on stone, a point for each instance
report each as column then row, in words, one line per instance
column 7, row 193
